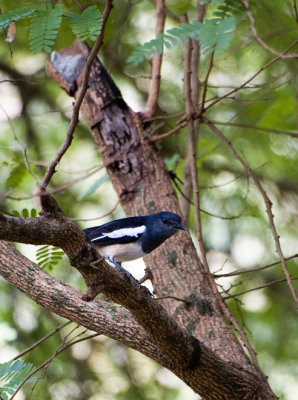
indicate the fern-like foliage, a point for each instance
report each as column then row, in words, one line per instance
column 44, row 29
column 86, row 25
column 12, row 373
column 15, row 15
column 48, row 256
column 46, row 22
column 229, row 8
column 213, row 35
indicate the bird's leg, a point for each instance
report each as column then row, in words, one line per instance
column 128, row 274
column 120, row 268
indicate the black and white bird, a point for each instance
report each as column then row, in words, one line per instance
column 127, row 239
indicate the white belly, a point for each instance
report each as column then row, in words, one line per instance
column 122, row 252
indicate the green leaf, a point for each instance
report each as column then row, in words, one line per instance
column 25, row 212
column 16, row 213
column 86, row 25
column 95, row 185
column 16, row 175
column 15, row 15
column 44, row 29
column 33, row 213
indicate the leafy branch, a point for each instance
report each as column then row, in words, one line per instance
column 12, row 373
column 46, row 21
column 213, row 35
column 15, row 15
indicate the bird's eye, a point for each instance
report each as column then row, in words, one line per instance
column 164, row 220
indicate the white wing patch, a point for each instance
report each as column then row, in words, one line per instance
column 119, row 233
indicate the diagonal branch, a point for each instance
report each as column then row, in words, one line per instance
column 259, row 39
column 244, row 84
column 55, row 229
column 77, row 105
column 257, row 128
column 256, row 288
column 245, row 271
column 100, row 316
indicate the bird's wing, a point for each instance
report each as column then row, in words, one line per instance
column 116, row 232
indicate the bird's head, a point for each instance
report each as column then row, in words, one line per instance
column 166, row 223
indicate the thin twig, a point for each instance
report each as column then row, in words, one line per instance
column 267, row 201
column 41, row 340
column 95, row 218
column 46, row 363
column 74, row 181
column 295, row 10
column 156, row 63
column 205, row 87
column 257, row 288
column 76, row 109
column 187, row 302
column 21, row 144
column 257, row 128
column 252, row 77
column 187, row 199
column 245, row 271
column 192, row 148
column 158, row 117
column 169, row 133
column 56, row 189
column 257, row 37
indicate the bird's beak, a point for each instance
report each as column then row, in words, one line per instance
column 180, row 226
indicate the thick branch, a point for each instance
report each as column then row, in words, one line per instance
column 76, row 109
column 100, row 316
column 166, row 334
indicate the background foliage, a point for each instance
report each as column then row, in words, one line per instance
column 35, row 114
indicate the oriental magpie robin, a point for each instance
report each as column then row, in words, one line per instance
column 127, row 239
